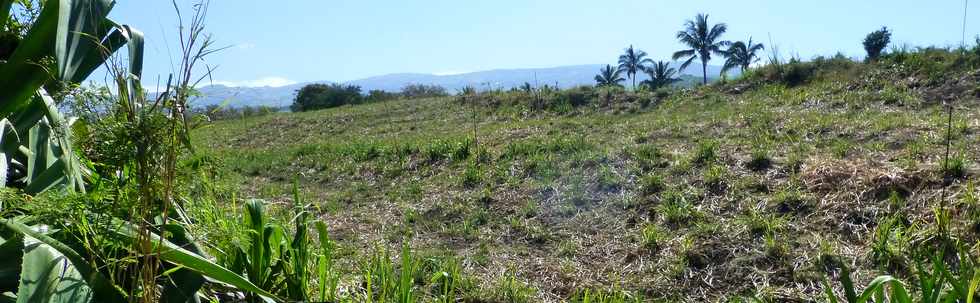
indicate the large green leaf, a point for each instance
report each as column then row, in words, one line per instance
column 102, row 289
column 181, row 284
column 81, row 26
column 47, row 276
column 5, row 10
column 11, row 253
column 24, row 72
column 179, row 256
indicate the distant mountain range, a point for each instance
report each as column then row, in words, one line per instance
column 563, row 76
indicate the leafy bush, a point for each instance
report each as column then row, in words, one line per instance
column 413, row 91
column 876, row 42
column 377, row 95
column 320, row 96
column 216, row 112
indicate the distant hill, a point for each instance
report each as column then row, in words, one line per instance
column 563, row 76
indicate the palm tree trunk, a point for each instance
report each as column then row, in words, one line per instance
column 634, row 81
column 704, row 71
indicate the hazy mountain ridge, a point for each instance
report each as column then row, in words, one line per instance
column 563, row 76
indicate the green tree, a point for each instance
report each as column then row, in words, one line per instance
column 741, row 55
column 703, row 40
column 876, row 42
column 609, row 76
column 661, row 75
column 319, row 96
column 633, row 61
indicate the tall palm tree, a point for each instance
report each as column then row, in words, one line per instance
column 741, row 55
column 609, row 76
column 703, row 40
column 661, row 74
column 633, row 61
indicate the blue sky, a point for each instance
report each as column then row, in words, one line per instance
column 340, row 40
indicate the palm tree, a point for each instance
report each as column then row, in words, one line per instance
column 609, row 76
column 702, row 40
column 633, row 61
column 661, row 74
column 741, row 55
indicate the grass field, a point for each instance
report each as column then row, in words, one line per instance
column 700, row 194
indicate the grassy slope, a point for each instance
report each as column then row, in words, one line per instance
column 566, row 202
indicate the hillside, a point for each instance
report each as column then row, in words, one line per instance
column 563, row 76
column 705, row 194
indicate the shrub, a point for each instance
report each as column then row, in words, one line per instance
column 876, row 42
column 320, row 96
column 413, row 91
column 377, row 95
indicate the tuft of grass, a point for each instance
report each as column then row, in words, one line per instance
column 955, row 167
column 648, row 156
column 890, row 244
column 759, row 223
column 706, row 152
column 759, row 160
column 510, row 289
column 608, row 180
column 472, row 176
column 774, row 248
column 653, row 237
column 714, row 176
column 840, row 148
column 652, row 184
column 675, row 209
column 614, row 295
column 789, row 200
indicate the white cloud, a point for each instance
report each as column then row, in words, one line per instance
column 263, row 82
column 245, row 45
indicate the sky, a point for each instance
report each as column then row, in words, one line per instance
column 294, row 41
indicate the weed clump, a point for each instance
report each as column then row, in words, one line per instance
column 706, row 152
column 652, row 184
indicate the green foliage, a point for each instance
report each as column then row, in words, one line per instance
column 936, row 283
column 706, row 153
column 633, row 61
column 509, row 289
column 875, row 42
column 676, row 210
column 413, row 91
column 740, row 55
column 661, row 75
column 609, row 76
column 652, row 184
column 653, row 237
column 377, row 95
column 703, row 40
column 217, row 112
column 954, row 167
column 319, row 96
column 759, row 159
column 605, row 296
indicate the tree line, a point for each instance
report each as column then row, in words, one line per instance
column 320, row 96
column 702, row 41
